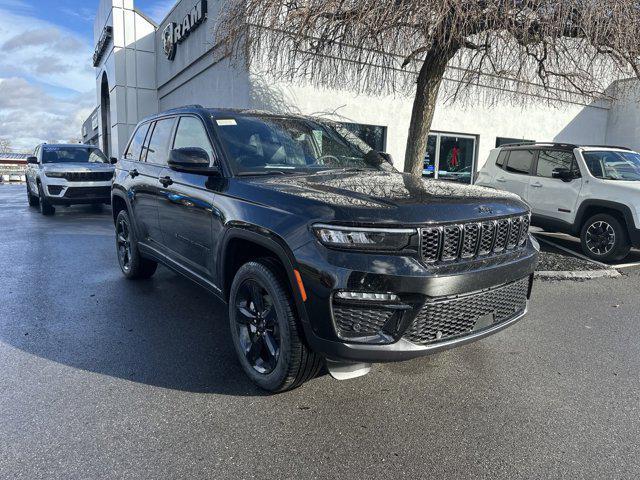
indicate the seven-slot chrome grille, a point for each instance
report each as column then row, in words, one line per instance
column 447, row 243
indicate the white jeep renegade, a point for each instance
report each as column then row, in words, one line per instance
column 588, row 191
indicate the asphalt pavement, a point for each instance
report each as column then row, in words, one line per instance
column 101, row 377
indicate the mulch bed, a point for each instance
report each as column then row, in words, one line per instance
column 555, row 262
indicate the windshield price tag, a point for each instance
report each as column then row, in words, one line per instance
column 226, row 122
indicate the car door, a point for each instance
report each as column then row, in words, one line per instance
column 186, row 205
column 515, row 174
column 553, row 197
column 31, row 172
column 144, row 167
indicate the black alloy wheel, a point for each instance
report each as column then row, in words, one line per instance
column 123, row 243
column 266, row 332
column 257, row 327
column 132, row 264
column 604, row 238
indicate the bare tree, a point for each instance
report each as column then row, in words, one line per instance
column 550, row 50
column 5, row 145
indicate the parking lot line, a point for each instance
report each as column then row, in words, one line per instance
column 575, row 254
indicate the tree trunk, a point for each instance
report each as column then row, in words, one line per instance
column 424, row 105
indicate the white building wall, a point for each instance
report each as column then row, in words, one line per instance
column 623, row 127
column 142, row 81
column 566, row 122
column 129, row 63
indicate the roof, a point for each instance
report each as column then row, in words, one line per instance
column 561, row 146
column 8, row 158
column 218, row 112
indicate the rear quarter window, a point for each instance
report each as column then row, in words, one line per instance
column 520, row 162
column 502, row 159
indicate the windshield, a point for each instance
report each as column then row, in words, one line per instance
column 611, row 165
column 53, row 154
column 262, row 144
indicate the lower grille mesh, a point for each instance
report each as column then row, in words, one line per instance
column 359, row 321
column 450, row 317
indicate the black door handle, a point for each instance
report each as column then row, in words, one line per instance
column 165, row 181
column 134, row 173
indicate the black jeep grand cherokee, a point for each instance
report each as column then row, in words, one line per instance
column 322, row 250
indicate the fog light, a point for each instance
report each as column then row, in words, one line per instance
column 370, row 297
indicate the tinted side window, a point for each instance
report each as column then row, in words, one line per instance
column 549, row 160
column 191, row 133
column 158, row 147
column 135, row 147
column 520, row 161
column 502, row 158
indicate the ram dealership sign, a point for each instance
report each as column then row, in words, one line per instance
column 175, row 33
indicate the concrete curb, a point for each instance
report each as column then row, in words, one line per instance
column 577, row 275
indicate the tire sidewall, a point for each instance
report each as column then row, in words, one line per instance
column 124, row 215
column 621, row 246
column 260, row 273
column 45, row 207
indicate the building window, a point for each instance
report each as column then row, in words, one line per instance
column 373, row 135
column 450, row 156
column 506, row 140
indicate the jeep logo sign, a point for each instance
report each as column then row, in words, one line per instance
column 175, row 33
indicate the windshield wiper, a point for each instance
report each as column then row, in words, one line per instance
column 345, row 169
column 265, row 172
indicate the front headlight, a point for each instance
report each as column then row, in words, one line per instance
column 55, row 174
column 357, row 238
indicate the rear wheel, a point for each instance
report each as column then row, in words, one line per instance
column 265, row 330
column 33, row 200
column 45, row 207
column 604, row 238
column 132, row 264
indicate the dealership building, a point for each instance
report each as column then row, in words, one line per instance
column 144, row 68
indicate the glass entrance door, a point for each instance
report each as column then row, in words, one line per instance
column 450, row 157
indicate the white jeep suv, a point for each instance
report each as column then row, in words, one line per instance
column 67, row 175
column 588, row 191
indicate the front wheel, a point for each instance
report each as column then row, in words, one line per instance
column 45, row 207
column 132, row 264
column 31, row 198
column 265, row 330
column 604, row 238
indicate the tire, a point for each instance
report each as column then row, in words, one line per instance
column 132, row 264
column 273, row 328
column 45, row 207
column 32, row 199
column 604, row 238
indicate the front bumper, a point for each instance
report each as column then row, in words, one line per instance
column 61, row 192
column 416, row 286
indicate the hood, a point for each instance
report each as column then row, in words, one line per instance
column 384, row 197
column 78, row 167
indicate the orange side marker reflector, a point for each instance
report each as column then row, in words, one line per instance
column 303, row 293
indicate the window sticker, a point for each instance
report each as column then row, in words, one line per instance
column 226, row 122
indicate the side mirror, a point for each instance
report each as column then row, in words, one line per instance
column 113, row 160
column 32, row 160
column 563, row 174
column 191, row 160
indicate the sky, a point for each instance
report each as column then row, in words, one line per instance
column 47, row 82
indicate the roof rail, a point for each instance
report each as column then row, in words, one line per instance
column 195, row 105
column 529, row 144
column 607, row 146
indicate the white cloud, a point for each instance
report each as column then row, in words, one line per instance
column 47, row 83
column 28, row 115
